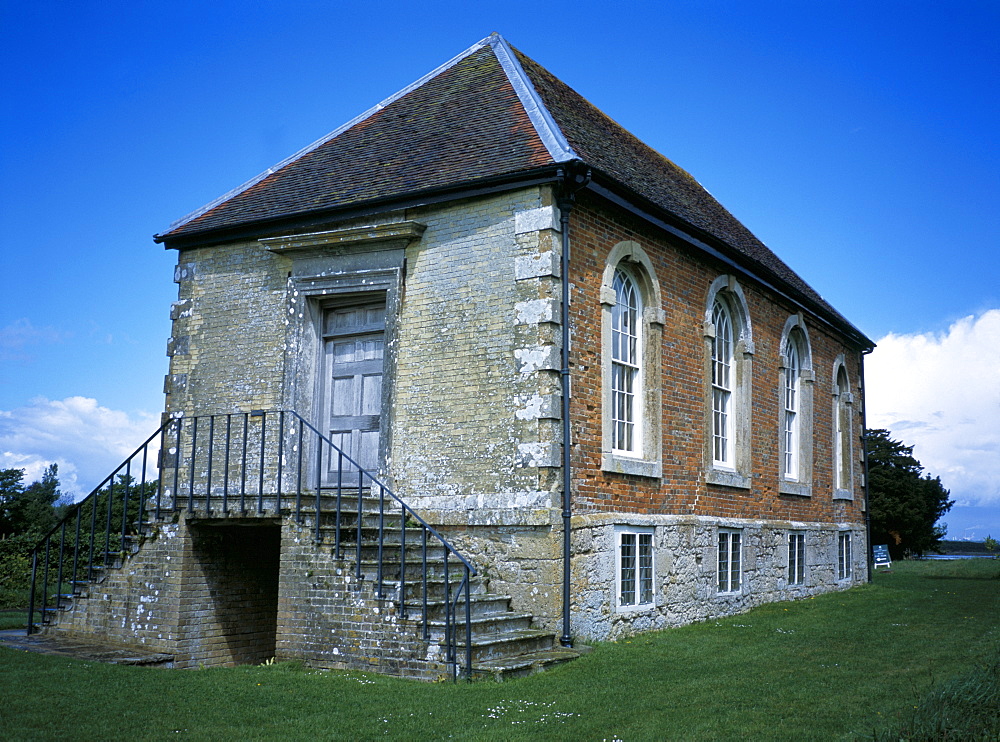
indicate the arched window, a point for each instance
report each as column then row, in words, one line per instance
column 626, row 365
column 842, row 407
column 792, row 400
column 729, row 350
column 631, row 330
column 795, row 410
column 722, row 386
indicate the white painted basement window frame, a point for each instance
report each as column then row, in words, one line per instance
column 796, row 558
column 635, row 569
column 730, row 561
column 844, row 555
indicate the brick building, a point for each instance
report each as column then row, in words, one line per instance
column 547, row 339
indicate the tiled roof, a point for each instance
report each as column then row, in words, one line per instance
column 488, row 113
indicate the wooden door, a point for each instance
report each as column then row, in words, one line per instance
column 354, row 346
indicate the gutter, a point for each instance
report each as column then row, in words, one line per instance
column 864, row 448
column 281, row 225
column 571, row 184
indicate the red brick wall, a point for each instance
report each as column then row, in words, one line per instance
column 685, row 277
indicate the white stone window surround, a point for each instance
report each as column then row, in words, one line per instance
column 843, row 425
column 729, row 561
column 845, row 555
column 796, row 559
column 798, row 480
column 635, row 569
column 735, row 471
column 630, row 259
column 338, row 267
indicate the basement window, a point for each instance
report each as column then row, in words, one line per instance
column 796, row 558
column 634, row 569
column 844, row 555
column 730, row 564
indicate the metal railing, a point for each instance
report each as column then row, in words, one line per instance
column 253, row 464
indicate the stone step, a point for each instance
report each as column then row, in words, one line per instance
column 506, row 668
column 485, row 606
column 435, row 589
column 507, row 645
column 486, row 627
column 390, row 536
column 414, row 569
column 482, row 604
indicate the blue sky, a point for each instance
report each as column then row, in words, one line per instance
column 857, row 139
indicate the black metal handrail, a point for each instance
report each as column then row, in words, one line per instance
column 263, row 462
column 119, row 499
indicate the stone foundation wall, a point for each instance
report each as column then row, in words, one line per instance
column 218, row 593
column 685, row 554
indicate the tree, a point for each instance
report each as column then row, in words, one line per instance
column 905, row 504
column 992, row 546
column 26, row 514
column 28, row 510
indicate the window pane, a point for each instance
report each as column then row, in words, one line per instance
column 625, row 365
column 645, row 568
column 791, row 402
column 722, row 359
column 796, row 558
column 734, row 562
column 724, row 562
column 627, row 577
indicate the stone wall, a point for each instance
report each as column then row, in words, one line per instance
column 242, row 591
column 475, row 410
column 227, row 344
column 685, row 562
column 138, row 603
column 328, row 618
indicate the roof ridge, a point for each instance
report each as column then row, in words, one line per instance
column 548, row 130
column 490, row 40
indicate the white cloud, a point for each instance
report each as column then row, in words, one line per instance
column 20, row 333
column 940, row 393
column 86, row 440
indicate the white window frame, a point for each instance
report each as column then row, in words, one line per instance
column 627, row 411
column 796, row 558
column 843, row 424
column 729, row 561
column 723, row 374
column 845, row 555
column 792, row 398
column 635, row 569
column 628, row 259
column 728, row 384
column 795, row 405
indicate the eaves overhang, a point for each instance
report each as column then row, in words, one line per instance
column 617, row 193
column 310, row 219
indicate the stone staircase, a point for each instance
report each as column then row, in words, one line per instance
column 504, row 643
column 416, row 587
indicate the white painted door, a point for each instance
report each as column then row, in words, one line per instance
column 354, row 346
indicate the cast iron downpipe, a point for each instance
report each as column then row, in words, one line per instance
column 572, row 183
column 864, row 450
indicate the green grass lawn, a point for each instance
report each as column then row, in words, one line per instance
column 838, row 666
